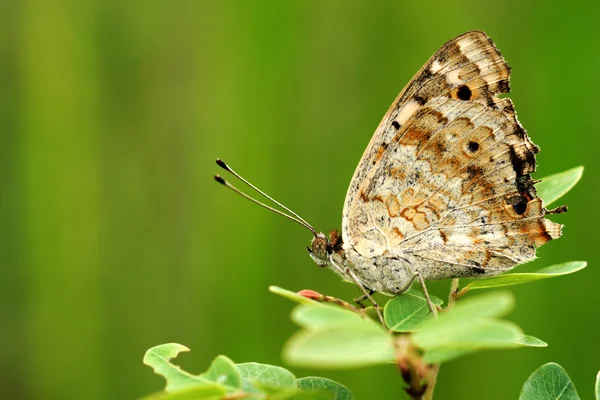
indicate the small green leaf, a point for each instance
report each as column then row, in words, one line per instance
column 223, row 371
column 553, row 187
column 326, row 316
column 469, row 326
column 444, row 354
column 531, row 341
column 489, row 305
column 316, row 384
column 265, row 377
column 404, row 312
column 158, row 359
column 486, row 333
column 206, row 392
column 598, row 386
column 519, row 278
column 291, row 295
column 550, row 381
column 340, row 347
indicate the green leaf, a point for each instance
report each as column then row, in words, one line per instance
column 205, row 392
column 326, row 316
column 519, row 278
column 486, row 333
column 550, row 381
column 340, row 347
column 488, row 305
column 222, row 370
column 316, row 384
column 404, row 312
column 531, row 341
column 444, row 354
column 598, row 386
column 292, row 296
column 158, row 359
column 336, row 337
column 263, row 377
column 553, row 187
column 470, row 326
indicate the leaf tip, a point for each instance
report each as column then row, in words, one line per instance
column 167, row 350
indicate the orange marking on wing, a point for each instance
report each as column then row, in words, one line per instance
column 398, row 173
column 381, row 150
column 437, row 203
column 475, row 235
column 393, row 206
column 363, row 196
column 444, row 236
column 488, row 257
column 428, row 207
column 407, row 195
column 426, row 121
column 542, row 236
column 417, row 218
column 398, row 233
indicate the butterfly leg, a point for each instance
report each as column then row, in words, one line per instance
column 349, row 273
column 366, row 293
column 426, row 293
column 358, row 300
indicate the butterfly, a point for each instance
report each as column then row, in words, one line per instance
column 444, row 188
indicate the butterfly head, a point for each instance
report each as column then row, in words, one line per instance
column 321, row 247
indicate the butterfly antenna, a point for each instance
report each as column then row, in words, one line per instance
column 295, row 216
column 226, row 167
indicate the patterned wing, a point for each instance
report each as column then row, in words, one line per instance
column 445, row 182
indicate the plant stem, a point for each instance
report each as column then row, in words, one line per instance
column 431, row 381
column 453, row 293
column 435, row 369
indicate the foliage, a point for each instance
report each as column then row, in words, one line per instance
column 555, row 186
column 550, row 381
column 225, row 379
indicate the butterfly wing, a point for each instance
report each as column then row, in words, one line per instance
column 445, row 181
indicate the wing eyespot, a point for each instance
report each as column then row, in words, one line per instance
column 473, row 146
column 464, row 93
column 518, row 203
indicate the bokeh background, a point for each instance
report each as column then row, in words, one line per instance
column 115, row 238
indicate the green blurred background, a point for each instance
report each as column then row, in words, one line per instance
column 115, row 237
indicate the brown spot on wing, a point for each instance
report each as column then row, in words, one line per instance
column 518, row 203
column 474, row 171
column 381, row 150
column 363, row 196
column 397, row 173
column 443, row 236
column 425, row 122
column 398, row 233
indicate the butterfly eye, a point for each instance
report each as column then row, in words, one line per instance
column 320, row 247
